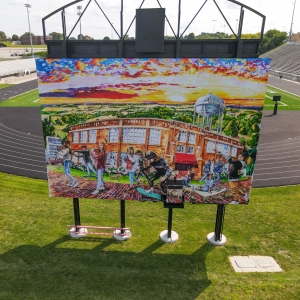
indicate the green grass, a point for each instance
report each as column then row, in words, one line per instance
column 10, row 45
column 2, row 86
column 40, row 54
column 6, row 58
column 38, row 260
column 30, row 98
column 288, row 101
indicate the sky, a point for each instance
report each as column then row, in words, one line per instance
column 163, row 81
column 14, row 19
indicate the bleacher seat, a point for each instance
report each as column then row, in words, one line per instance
column 285, row 59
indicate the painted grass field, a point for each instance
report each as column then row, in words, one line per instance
column 30, row 99
column 288, row 101
column 38, row 260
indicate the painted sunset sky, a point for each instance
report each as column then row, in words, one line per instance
column 162, row 81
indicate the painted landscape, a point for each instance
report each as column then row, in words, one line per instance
column 167, row 129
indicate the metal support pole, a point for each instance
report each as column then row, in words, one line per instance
column 219, row 222
column 29, row 6
column 291, row 30
column 275, row 108
column 76, row 213
column 122, row 207
column 170, row 217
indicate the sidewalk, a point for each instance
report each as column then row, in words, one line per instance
column 18, row 79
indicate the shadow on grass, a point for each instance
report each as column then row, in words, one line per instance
column 57, row 271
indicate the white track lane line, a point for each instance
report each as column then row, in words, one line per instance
column 22, row 169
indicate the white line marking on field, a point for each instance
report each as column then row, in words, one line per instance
column 284, row 91
column 21, row 94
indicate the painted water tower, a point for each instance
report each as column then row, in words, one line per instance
column 209, row 106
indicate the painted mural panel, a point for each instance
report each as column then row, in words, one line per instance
column 152, row 129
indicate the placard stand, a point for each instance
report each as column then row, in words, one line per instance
column 217, row 238
column 78, row 231
column 169, row 236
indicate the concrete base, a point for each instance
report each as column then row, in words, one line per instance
column 253, row 263
column 164, row 237
column 211, row 239
column 122, row 237
column 77, row 235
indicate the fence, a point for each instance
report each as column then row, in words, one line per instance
column 285, row 75
column 17, row 78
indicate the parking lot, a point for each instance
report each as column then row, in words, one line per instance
column 6, row 52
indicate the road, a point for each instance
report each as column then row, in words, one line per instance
column 6, row 52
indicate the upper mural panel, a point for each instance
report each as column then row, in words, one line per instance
column 159, row 129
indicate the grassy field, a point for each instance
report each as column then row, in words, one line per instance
column 30, row 98
column 2, row 86
column 38, row 260
column 288, row 101
column 10, row 45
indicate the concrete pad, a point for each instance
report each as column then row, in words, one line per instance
column 254, row 264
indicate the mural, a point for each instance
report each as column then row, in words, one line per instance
column 152, row 129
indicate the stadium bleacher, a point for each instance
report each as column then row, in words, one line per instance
column 285, row 61
column 16, row 67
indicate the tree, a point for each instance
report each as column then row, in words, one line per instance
column 56, row 35
column 15, row 37
column 190, row 36
column 2, row 36
column 106, row 38
column 72, row 38
column 27, row 34
column 271, row 40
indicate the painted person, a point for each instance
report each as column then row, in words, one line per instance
column 66, row 153
column 132, row 163
column 209, row 184
column 206, row 169
column 218, row 168
column 99, row 156
column 140, row 171
column 236, row 165
column 163, row 171
column 188, row 178
column 86, row 156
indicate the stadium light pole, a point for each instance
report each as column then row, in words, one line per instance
column 290, row 38
column 29, row 6
column 79, row 7
column 214, row 27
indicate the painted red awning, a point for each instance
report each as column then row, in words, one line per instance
column 184, row 158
